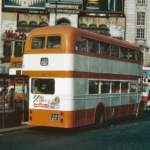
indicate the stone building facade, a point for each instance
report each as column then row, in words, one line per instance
column 16, row 23
column 138, row 26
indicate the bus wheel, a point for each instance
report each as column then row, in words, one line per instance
column 141, row 111
column 99, row 118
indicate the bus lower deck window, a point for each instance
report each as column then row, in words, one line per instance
column 132, row 87
column 115, row 87
column 105, row 86
column 93, row 87
column 42, row 86
column 124, row 87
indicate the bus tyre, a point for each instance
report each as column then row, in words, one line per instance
column 99, row 118
column 141, row 111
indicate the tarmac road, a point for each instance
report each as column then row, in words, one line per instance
column 127, row 134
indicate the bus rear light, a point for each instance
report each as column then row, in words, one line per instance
column 30, row 111
column 30, row 118
column 61, row 113
column 61, row 120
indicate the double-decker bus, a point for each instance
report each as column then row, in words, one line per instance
column 16, row 69
column 78, row 77
column 145, row 86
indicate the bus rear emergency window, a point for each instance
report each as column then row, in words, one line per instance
column 53, row 42
column 42, row 86
column 38, row 43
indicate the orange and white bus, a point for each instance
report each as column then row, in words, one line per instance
column 16, row 69
column 79, row 78
column 145, row 86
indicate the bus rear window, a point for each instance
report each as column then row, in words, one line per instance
column 42, row 86
column 17, row 64
column 38, row 43
column 53, row 42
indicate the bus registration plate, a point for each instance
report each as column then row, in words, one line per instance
column 54, row 117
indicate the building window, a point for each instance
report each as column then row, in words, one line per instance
column 112, row 5
column 18, row 49
column 23, row 23
column 103, row 27
column 140, row 33
column 141, row 1
column 92, row 26
column 7, row 49
column 63, row 22
column 33, row 24
column 43, row 24
column 82, row 26
column 141, row 18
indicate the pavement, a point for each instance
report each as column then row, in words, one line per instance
column 23, row 127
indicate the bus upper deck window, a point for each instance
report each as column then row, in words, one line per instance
column 38, row 43
column 14, row 64
column 105, row 48
column 53, row 42
column 132, row 54
column 115, row 50
column 19, row 64
column 124, row 53
column 81, row 44
column 93, row 46
column 138, row 56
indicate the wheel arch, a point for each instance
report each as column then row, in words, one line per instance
column 140, row 102
column 100, row 105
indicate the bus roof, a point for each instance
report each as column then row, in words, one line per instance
column 72, row 34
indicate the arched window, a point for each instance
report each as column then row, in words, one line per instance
column 23, row 23
column 93, row 26
column 63, row 22
column 33, row 24
column 43, row 24
column 82, row 26
column 102, row 27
